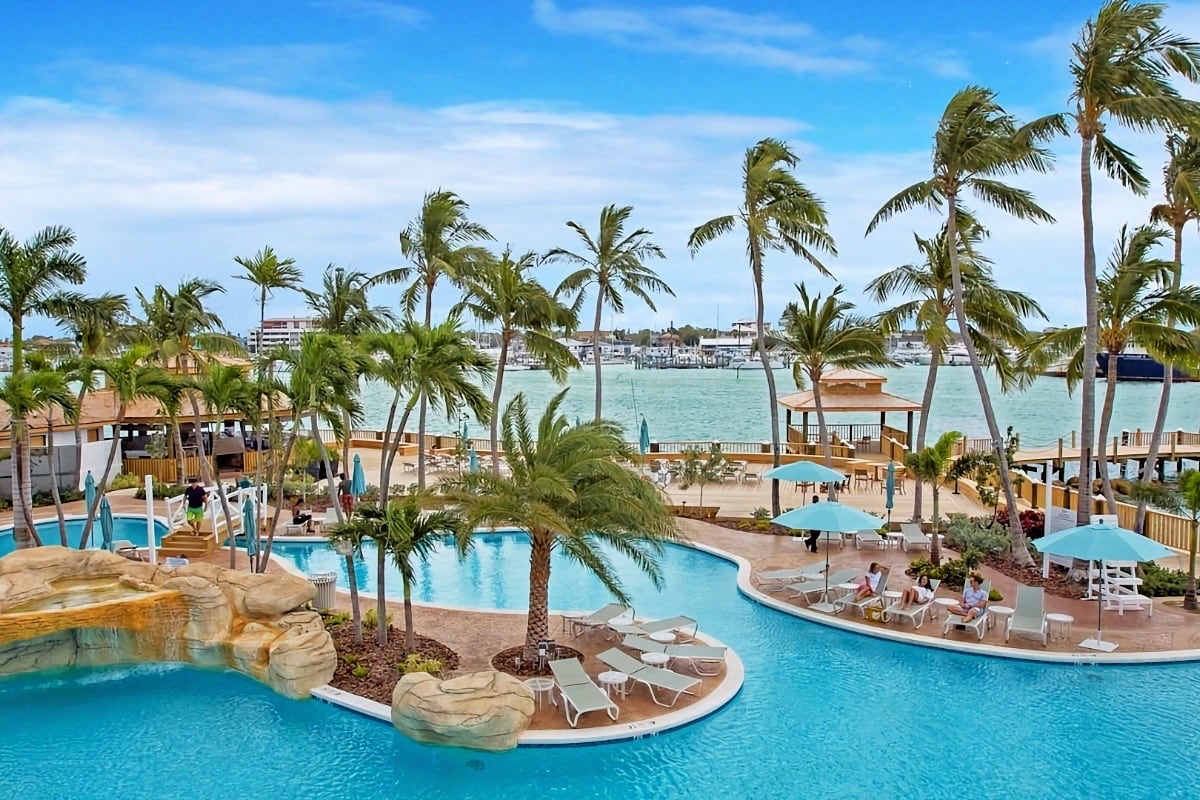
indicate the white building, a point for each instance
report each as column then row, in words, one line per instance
column 281, row 331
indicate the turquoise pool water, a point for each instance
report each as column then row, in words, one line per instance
column 823, row 714
column 131, row 528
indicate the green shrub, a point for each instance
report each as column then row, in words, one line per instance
column 760, row 514
column 336, row 617
column 952, row 574
column 124, row 481
column 966, row 534
column 415, row 662
column 361, row 671
column 371, row 618
column 46, row 499
column 1160, row 582
column 350, row 659
column 162, row 490
column 994, row 596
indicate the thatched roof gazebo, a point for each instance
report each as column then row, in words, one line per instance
column 852, row 391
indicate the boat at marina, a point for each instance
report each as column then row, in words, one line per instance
column 1138, row 365
column 739, row 362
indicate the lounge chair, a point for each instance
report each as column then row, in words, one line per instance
column 703, row 659
column 1029, row 616
column 600, row 618
column 869, row 537
column 818, row 587
column 579, row 692
column 653, row 677
column 782, row 577
column 679, row 624
column 979, row 625
column 875, row 598
column 1120, row 598
column 913, row 536
column 915, row 613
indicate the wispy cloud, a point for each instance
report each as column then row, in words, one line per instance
column 378, row 11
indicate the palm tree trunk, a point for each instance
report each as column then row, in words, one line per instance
column 381, row 626
column 346, row 441
column 1020, row 551
column 206, row 475
column 422, row 412
column 822, row 428
column 1189, row 595
column 265, row 556
column 1110, row 396
column 180, row 457
column 24, row 534
column 77, row 470
column 761, row 345
column 410, row 633
column 505, row 337
column 355, row 611
column 935, row 360
column 385, row 464
column 54, row 493
column 1087, row 393
column 390, row 456
column 600, row 287
column 102, row 487
column 1164, row 399
column 258, row 461
column 537, row 625
column 935, row 548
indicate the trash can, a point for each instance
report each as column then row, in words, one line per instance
column 326, row 583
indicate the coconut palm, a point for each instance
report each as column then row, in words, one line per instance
column 568, row 489
column 779, row 213
column 31, row 274
column 223, row 388
column 824, row 335
column 501, row 291
column 1136, row 308
column 1122, row 70
column 1181, row 205
column 615, row 263
column 931, row 465
column 131, row 378
column 995, row 316
column 977, row 143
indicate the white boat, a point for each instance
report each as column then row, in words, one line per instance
column 739, row 362
column 956, row 356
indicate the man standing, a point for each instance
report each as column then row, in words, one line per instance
column 345, row 494
column 196, row 496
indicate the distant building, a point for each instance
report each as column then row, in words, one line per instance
column 280, row 332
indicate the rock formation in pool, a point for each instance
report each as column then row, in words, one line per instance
column 486, row 710
column 62, row 608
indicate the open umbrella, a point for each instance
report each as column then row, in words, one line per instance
column 89, row 493
column 250, row 528
column 472, row 460
column 804, row 472
column 1101, row 541
column 831, row 516
column 889, row 488
column 644, row 438
column 358, row 480
column 106, row 524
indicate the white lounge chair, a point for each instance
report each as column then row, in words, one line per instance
column 600, row 618
column 916, row 613
column 819, row 586
column 912, row 536
column 579, row 693
column 703, row 659
column 874, row 599
column 781, row 577
column 1029, row 616
column 678, row 624
column 978, row 625
column 869, row 537
column 1120, row 598
column 652, row 677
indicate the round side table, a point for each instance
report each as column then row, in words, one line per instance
column 1003, row 617
column 1061, row 622
column 568, row 620
column 655, row 659
column 541, row 688
column 945, row 602
column 663, row 637
column 614, row 682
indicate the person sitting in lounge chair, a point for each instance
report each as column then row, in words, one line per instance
column 302, row 514
column 869, row 585
column 919, row 592
column 974, row 601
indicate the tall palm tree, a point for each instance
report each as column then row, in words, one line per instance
column 977, row 143
column 778, row 213
column 931, row 466
column 131, row 378
column 824, row 335
column 1181, row 205
column 995, row 316
column 569, row 491
column 501, row 291
column 223, row 388
column 1136, row 307
column 31, row 274
column 615, row 262
column 1122, row 69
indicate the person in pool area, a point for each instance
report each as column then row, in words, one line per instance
column 974, row 602
column 345, row 494
column 813, row 536
column 919, row 592
column 302, row 514
column 196, row 496
column 870, row 582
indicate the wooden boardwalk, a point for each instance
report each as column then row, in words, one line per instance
column 1124, row 447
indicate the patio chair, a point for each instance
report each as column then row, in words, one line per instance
column 782, row 577
column 861, row 478
column 868, row 537
column 871, row 600
column 653, row 678
column 818, row 586
column 913, row 536
column 700, row 658
column 678, row 624
column 915, row 613
column 1029, row 616
column 579, row 693
column 1120, row 598
column 600, row 618
column 979, row 625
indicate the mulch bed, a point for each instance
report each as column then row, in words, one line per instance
column 746, row 525
column 382, row 677
column 1057, row 584
column 513, row 661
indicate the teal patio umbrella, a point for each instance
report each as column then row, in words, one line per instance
column 889, row 488
column 1100, row 541
column 473, row 460
column 804, row 472
column 250, row 529
column 644, row 438
column 358, row 480
column 106, row 525
column 89, row 494
column 831, row 516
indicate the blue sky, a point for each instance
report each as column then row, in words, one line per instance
column 174, row 138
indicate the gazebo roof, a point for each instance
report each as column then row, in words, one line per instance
column 849, row 390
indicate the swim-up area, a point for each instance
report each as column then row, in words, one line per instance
column 130, row 528
column 822, row 713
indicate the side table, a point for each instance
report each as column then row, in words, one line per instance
column 663, row 637
column 655, row 659
column 614, row 682
column 1061, row 622
column 1002, row 617
column 541, row 688
column 945, row 602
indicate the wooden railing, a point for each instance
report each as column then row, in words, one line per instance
column 165, row 470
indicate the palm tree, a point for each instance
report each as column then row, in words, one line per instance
column 824, row 335
column 503, row 292
column 569, row 491
column 994, row 315
column 1181, row 205
column 976, row 143
column 1122, row 69
column 779, row 213
column 31, row 274
column 224, row 388
column 615, row 263
column 1134, row 309
column 931, row 466
column 130, row 378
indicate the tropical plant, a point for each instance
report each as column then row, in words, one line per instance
column 995, row 316
column 932, row 465
column 1186, row 500
column 977, row 143
column 614, row 262
column 568, row 489
column 779, row 213
column 1122, row 69
column 823, row 335
column 224, row 388
column 700, row 468
column 1135, row 308
column 502, row 291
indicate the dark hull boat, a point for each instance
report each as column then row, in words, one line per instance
column 1140, row 367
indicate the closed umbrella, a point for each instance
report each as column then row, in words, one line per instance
column 831, row 516
column 473, row 460
column 250, row 528
column 644, row 438
column 358, row 480
column 89, row 494
column 1101, row 541
column 889, row 488
column 106, row 524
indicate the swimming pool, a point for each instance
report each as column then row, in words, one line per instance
column 823, row 713
column 124, row 527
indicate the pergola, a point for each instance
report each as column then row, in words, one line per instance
column 850, row 391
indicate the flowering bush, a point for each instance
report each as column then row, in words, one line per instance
column 1033, row 521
